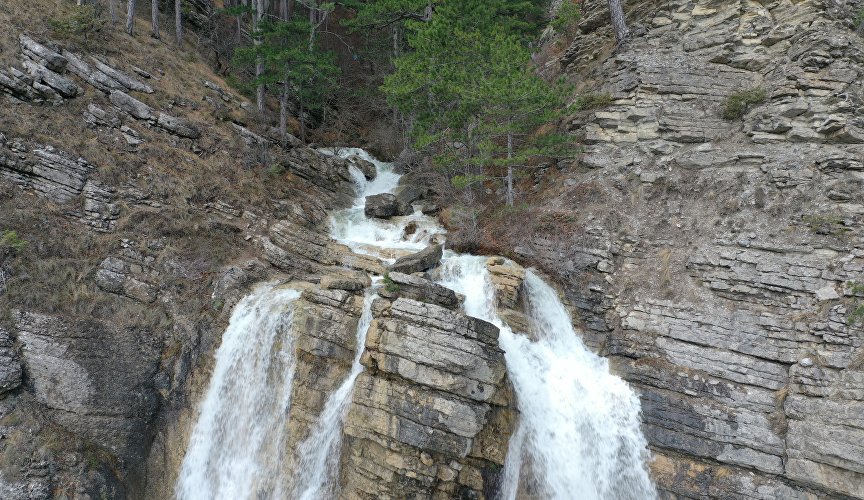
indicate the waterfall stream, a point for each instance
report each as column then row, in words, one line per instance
column 319, row 453
column 236, row 448
column 578, row 430
column 578, row 435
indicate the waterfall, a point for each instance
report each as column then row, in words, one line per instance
column 236, row 448
column 579, row 433
column 319, row 453
column 385, row 239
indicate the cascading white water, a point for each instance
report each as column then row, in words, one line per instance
column 319, row 453
column 578, row 434
column 385, row 239
column 579, row 425
column 236, row 449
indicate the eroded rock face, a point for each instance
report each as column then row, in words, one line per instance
column 719, row 283
column 431, row 414
column 46, row 68
column 325, row 332
column 97, row 389
column 10, row 365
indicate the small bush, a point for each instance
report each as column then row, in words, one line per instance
column 592, row 100
column 737, row 104
column 276, row 170
column 389, row 285
column 10, row 240
column 858, row 20
column 567, row 17
column 83, row 26
column 827, row 225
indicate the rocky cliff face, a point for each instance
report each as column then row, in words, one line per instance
column 716, row 261
column 127, row 254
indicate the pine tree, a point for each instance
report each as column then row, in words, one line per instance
column 470, row 88
column 619, row 24
column 287, row 63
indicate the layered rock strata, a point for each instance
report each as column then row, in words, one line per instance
column 716, row 259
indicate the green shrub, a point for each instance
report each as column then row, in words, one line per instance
column 858, row 20
column 10, row 240
column 389, row 285
column 592, row 100
column 737, row 104
column 276, row 170
column 83, row 26
column 828, row 225
column 567, row 17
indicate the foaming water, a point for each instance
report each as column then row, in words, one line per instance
column 579, row 433
column 316, row 471
column 385, row 239
column 236, row 449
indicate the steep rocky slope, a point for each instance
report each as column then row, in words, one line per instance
column 138, row 199
column 140, row 232
column 717, row 261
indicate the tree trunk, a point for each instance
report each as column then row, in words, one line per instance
column 240, row 23
column 510, row 169
column 283, row 10
column 283, row 112
column 112, row 11
column 154, row 14
column 259, row 64
column 619, row 24
column 130, row 16
column 178, row 21
column 302, row 120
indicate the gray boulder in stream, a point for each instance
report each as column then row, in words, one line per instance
column 381, row 206
column 418, row 262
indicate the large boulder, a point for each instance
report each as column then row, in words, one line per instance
column 420, row 289
column 131, row 105
column 406, row 195
column 367, row 167
column 42, row 54
column 418, row 262
column 382, row 206
column 345, row 279
column 178, row 126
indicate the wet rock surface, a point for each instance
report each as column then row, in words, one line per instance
column 423, row 413
column 418, row 262
column 381, row 206
column 419, row 288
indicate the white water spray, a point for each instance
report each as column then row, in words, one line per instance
column 236, row 449
column 385, row 239
column 578, row 434
column 319, row 454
